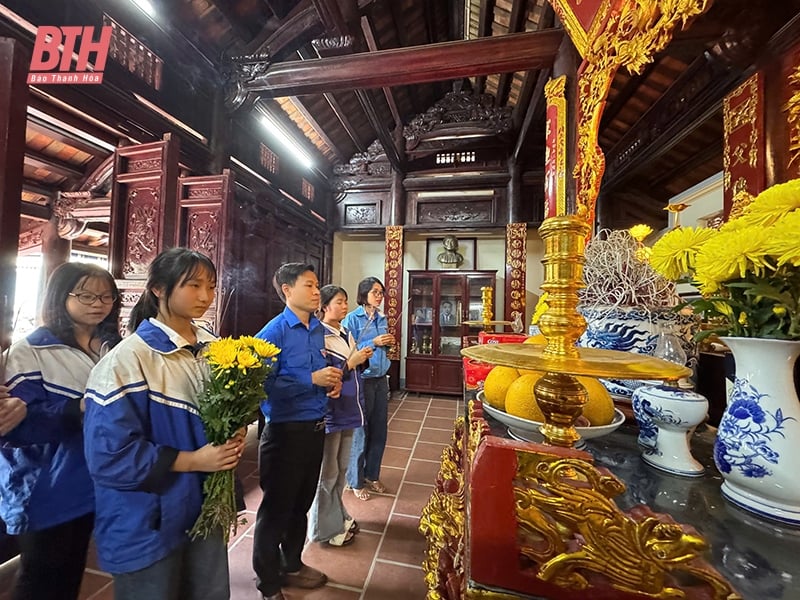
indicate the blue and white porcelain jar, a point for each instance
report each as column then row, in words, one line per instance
column 758, row 440
column 667, row 417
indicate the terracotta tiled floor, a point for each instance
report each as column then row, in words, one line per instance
column 383, row 563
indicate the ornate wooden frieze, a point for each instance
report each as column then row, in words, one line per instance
column 134, row 55
column 792, row 109
column 516, row 267
column 393, row 278
column 66, row 202
column 555, row 188
column 363, row 167
column 361, row 214
column 141, row 231
column 629, row 37
column 32, row 238
column 239, row 72
column 460, row 109
column 203, row 231
column 476, row 212
column 743, row 155
column 144, row 164
column 333, row 44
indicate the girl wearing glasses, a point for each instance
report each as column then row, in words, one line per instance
column 46, row 494
column 147, row 451
column 369, row 327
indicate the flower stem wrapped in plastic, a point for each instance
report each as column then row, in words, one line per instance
column 230, row 400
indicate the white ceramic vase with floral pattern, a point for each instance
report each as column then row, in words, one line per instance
column 758, row 440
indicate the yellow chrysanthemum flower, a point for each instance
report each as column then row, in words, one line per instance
column 640, row 232
column 222, row 353
column 263, row 348
column 772, row 204
column 246, row 360
column 674, row 254
column 731, row 255
column 784, row 240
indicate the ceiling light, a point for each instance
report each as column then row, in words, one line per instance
column 277, row 131
column 146, row 7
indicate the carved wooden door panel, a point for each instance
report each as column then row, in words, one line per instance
column 204, row 224
column 143, row 213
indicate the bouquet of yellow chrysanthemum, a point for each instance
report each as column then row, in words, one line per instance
column 230, row 400
column 747, row 270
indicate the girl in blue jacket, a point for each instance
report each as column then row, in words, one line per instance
column 370, row 328
column 46, row 495
column 329, row 520
column 145, row 443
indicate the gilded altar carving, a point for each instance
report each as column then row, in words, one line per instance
column 394, row 285
column 516, row 254
column 571, row 529
column 792, row 109
column 741, row 154
column 630, row 38
column 555, row 156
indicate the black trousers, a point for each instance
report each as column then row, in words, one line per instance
column 52, row 561
column 290, row 455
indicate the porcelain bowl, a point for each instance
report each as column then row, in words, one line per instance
column 528, row 430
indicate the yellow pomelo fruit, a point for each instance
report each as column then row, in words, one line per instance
column 536, row 339
column 520, row 401
column 496, row 385
column 600, row 407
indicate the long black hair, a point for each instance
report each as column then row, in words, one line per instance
column 364, row 287
column 170, row 269
column 73, row 276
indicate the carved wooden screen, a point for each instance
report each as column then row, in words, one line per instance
column 143, row 213
column 204, row 225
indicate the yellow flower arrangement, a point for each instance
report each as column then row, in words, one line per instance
column 231, row 396
column 747, row 270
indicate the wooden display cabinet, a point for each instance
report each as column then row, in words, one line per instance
column 439, row 302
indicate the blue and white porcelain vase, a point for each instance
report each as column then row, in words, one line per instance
column 758, row 440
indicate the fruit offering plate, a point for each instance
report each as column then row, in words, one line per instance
column 526, row 430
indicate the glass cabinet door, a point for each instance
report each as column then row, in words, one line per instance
column 475, row 296
column 449, row 314
column 420, row 316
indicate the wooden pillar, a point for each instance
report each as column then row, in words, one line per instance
column 397, row 198
column 514, row 190
column 14, row 61
column 567, row 62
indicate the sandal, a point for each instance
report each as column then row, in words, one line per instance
column 343, row 539
column 361, row 493
column 375, row 486
column 352, row 526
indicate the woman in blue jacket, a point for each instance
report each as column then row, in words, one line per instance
column 146, row 446
column 46, row 495
column 369, row 327
column 329, row 520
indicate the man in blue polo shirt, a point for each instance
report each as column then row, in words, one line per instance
column 290, row 450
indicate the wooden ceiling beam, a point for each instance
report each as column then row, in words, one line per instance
column 688, row 103
column 626, row 93
column 535, row 108
column 369, row 36
column 54, row 132
column 433, row 62
column 485, row 20
column 37, row 160
column 382, row 132
column 38, row 212
column 519, row 13
column 298, row 104
column 38, row 188
column 692, row 162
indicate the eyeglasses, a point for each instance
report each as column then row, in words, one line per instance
column 88, row 298
column 376, row 292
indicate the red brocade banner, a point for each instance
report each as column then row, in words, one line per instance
column 393, row 303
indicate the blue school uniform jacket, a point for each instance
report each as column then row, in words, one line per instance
column 365, row 329
column 141, row 410
column 346, row 411
column 43, row 477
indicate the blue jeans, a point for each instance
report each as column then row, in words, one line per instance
column 197, row 570
column 370, row 441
